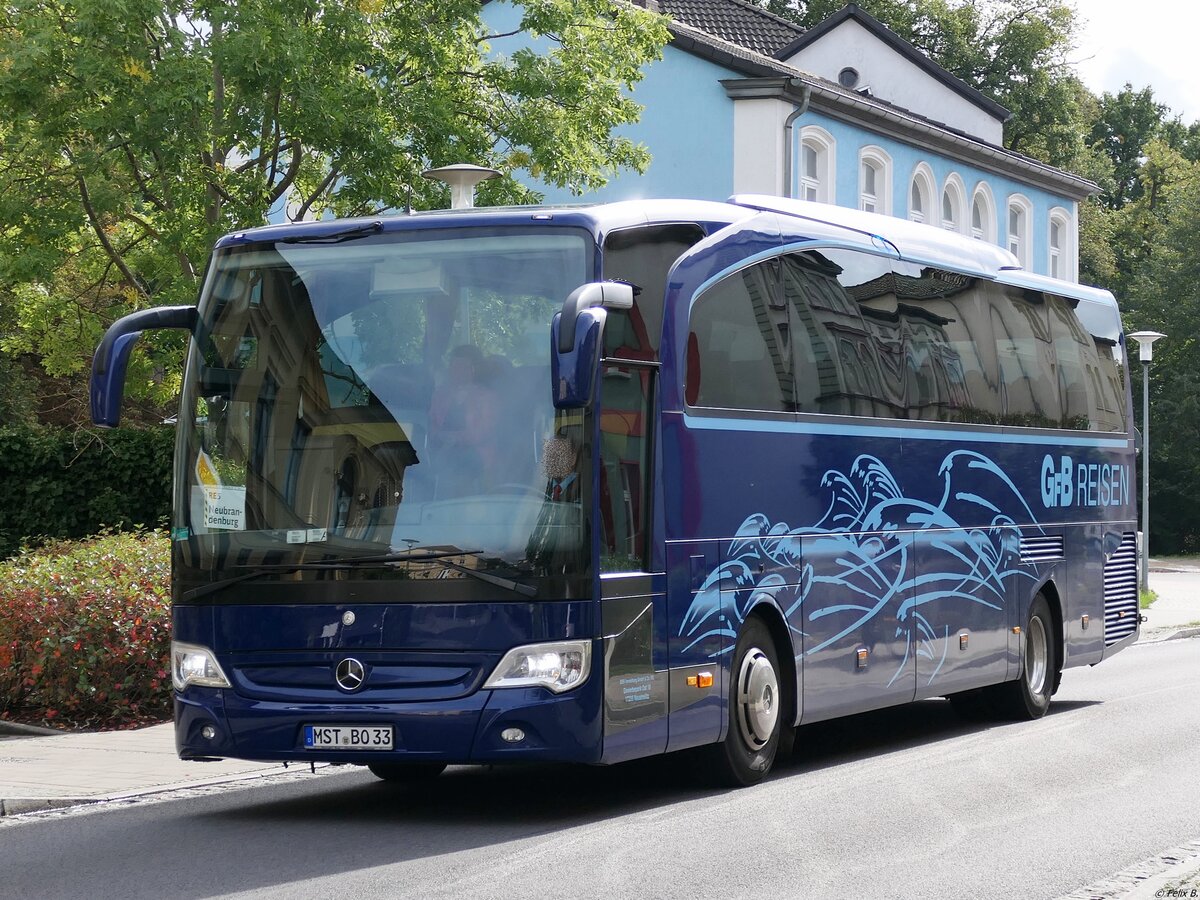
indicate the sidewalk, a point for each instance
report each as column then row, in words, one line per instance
column 1176, row 612
column 53, row 771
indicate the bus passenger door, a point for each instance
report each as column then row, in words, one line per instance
column 631, row 597
column 858, row 652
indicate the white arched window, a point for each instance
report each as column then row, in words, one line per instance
column 983, row 214
column 954, row 196
column 920, row 196
column 1020, row 214
column 1060, row 246
column 817, row 153
column 874, row 181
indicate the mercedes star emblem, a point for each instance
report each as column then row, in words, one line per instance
column 350, row 674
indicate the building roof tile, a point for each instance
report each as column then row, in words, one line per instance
column 737, row 21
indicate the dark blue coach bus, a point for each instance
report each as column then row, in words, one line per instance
column 589, row 484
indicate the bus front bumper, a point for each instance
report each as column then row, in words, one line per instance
column 553, row 727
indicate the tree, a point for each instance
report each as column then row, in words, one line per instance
column 1164, row 294
column 137, row 131
column 1124, row 124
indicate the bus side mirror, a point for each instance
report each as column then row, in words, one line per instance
column 573, row 372
column 112, row 356
column 606, row 294
column 576, row 334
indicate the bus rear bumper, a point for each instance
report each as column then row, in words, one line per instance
column 553, row 727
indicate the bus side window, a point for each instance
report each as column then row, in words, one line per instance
column 953, row 372
column 643, row 257
column 811, row 289
column 741, row 334
column 1026, row 354
column 1073, row 353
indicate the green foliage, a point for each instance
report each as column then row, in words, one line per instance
column 1162, row 292
column 59, row 484
column 134, row 132
column 1126, row 122
column 85, row 632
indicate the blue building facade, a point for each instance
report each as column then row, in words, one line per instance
column 845, row 113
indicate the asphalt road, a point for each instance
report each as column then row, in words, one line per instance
column 906, row 803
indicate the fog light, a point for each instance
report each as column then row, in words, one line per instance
column 208, row 732
column 512, row 735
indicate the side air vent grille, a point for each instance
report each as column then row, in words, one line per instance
column 1121, row 591
column 1042, row 548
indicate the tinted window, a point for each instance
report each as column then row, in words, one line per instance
column 643, row 257
column 844, row 364
column 738, row 348
column 1023, row 344
column 876, row 337
column 625, row 432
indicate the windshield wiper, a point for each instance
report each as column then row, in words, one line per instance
column 412, row 555
column 439, row 556
column 336, row 237
column 517, row 587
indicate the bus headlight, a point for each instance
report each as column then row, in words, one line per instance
column 191, row 664
column 559, row 666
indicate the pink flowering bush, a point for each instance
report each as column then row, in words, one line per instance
column 85, row 632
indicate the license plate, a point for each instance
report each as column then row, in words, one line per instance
column 348, row 737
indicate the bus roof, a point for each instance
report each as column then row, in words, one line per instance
column 914, row 242
column 1021, row 278
column 599, row 219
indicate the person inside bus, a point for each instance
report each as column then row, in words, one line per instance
column 554, row 543
column 560, row 462
column 462, row 423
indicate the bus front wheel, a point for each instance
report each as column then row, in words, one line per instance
column 756, row 707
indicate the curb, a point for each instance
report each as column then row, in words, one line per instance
column 16, row 729
column 19, row 806
column 1169, row 634
column 1148, row 878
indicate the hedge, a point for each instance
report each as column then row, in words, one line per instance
column 85, row 631
column 58, row 483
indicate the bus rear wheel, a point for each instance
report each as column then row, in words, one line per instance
column 1029, row 696
column 756, row 705
column 406, row 773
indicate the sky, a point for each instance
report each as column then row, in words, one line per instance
column 1145, row 42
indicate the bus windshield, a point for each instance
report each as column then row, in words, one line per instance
column 387, row 400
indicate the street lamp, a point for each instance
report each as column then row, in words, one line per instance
column 1145, row 340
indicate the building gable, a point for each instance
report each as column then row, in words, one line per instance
column 858, row 52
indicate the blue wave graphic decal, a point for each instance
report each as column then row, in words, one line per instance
column 864, row 560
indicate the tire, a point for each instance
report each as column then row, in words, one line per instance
column 756, row 705
column 406, row 773
column 1029, row 696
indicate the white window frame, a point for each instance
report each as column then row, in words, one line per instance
column 924, row 184
column 983, row 195
column 1068, row 259
column 957, row 192
column 824, row 187
column 1020, row 245
column 881, row 162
